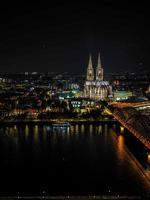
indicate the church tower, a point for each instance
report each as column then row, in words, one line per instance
column 99, row 70
column 90, row 71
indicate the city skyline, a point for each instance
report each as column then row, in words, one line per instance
column 42, row 38
column 74, row 100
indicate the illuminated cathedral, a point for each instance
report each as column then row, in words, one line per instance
column 95, row 87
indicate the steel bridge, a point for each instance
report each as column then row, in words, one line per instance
column 135, row 122
column 144, row 104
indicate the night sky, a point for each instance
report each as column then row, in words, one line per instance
column 46, row 37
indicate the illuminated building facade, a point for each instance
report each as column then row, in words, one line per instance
column 96, row 88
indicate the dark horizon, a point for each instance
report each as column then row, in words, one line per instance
column 42, row 38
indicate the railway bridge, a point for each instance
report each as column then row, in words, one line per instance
column 135, row 122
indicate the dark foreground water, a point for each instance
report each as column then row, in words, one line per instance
column 80, row 160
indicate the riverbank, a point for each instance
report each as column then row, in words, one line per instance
column 51, row 121
column 74, row 197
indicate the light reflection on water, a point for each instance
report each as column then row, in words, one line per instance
column 26, row 132
column 120, row 145
column 92, row 158
column 82, row 129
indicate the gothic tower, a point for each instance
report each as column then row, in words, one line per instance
column 99, row 70
column 90, row 71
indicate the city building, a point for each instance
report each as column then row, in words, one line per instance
column 95, row 87
column 122, row 95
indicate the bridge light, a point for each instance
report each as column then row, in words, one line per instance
column 121, row 129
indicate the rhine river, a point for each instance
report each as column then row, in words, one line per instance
column 80, row 160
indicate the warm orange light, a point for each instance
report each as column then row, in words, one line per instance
column 121, row 147
column 148, row 158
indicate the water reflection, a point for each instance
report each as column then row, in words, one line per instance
column 100, row 129
column 76, row 131
column 82, row 129
column 90, row 158
column 91, row 129
column 44, row 134
column 76, row 128
column 26, row 132
column 68, row 133
column 72, row 130
column 105, row 135
column 36, row 134
column 148, row 158
column 120, row 145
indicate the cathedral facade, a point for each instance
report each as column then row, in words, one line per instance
column 95, row 87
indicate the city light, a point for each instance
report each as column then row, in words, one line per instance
column 74, row 100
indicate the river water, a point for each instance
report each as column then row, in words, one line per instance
column 80, row 160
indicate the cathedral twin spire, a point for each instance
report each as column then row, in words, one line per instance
column 90, row 71
column 99, row 70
